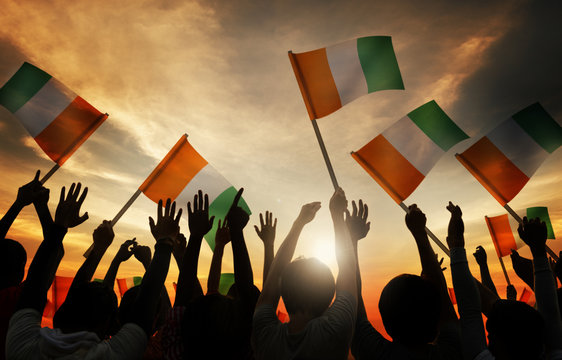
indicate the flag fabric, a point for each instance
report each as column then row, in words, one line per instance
column 225, row 282
column 501, row 233
column 541, row 212
column 333, row 76
column 452, row 296
column 504, row 160
column 184, row 170
column 58, row 119
column 282, row 316
column 400, row 157
column 56, row 297
column 525, row 296
column 127, row 283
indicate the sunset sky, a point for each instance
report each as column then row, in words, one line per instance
column 219, row 71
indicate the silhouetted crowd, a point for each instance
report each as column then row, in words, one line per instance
column 327, row 316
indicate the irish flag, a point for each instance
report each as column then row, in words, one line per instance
column 506, row 158
column 127, row 283
column 400, row 157
column 58, row 119
column 501, row 233
column 541, row 212
column 182, row 173
column 333, row 76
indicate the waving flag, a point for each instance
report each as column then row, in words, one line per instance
column 541, row 212
column 58, row 119
column 504, row 160
column 333, row 76
column 55, row 298
column 127, row 283
column 400, row 157
column 501, row 233
column 183, row 170
column 225, row 282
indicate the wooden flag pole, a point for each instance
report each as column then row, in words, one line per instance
column 430, row 234
column 519, row 220
column 312, row 115
column 118, row 216
column 325, row 154
column 504, row 271
column 49, row 174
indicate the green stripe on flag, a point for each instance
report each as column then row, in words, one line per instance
column 219, row 208
column 137, row 280
column 541, row 212
column 226, row 281
column 25, row 83
column 540, row 126
column 379, row 64
column 437, row 125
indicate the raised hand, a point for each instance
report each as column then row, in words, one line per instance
column 222, row 236
column 511, row 292
column 126, row 250
column 267, row 229
column 415, row 220
column 29, row 192
column 166, row 228
column 480, row 256
column 237, row 218
column 103, row 235
column 143, row 255
column 338, row 203
column 68, row 210
column 308, row 211
column 179, row 248
column 533, row 232
column 198, row 218
column 357, row 222
column 455, row 237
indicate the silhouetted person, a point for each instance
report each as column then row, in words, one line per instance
column 316, row 330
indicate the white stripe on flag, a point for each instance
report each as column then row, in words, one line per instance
column 209, row 180
column 413, row 144
column 45, row 106
column 518, row 146
column 347, row 71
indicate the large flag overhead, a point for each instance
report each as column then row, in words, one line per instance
column 400, row 157
column 184, row 170
column 501, row 233
column 333, row 76
column 504, row 160
column 58, row 119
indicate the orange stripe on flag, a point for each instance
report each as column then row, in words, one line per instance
column 493, row 170
column 452, row 296
column 60, row 139
column 525, row 296
column 389, row 168
column 174, row 172
column 501, row 233
column 316, row 82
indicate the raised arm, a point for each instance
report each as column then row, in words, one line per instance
column 345, row 256
column 358, row 228
column 266, row 233
column 27, row 194
column 237, row 220
column 468, row 298
column 103, row 237
column 49, row 254
column 165, row 231
column 272, row 287
column 533, row 233
column 222, row 238
column 523, row 267
column 123, row 254
column 482, row 260
column 199, row 224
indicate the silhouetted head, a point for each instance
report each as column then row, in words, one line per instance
column 90, row 307
column 125, row 312
column 515, row 331
column 307, row 286
column 216, row 327
column 410, row 307
column 12, row 263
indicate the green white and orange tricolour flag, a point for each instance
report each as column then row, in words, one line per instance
column 333, row 76
column 504, row 160
column 58, row 119
column 127, row 283
column 502, row 234
column 183, row 172
column 400, row 157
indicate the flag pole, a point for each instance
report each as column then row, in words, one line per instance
column 430, row 234
column 49, row 174
column 312, row 115
column 520, row 221
column 504, row 271
column 497, row 246
column 117, row 217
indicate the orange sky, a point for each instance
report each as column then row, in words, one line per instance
column 219, row 71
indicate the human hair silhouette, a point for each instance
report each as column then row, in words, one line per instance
column 12, row 263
